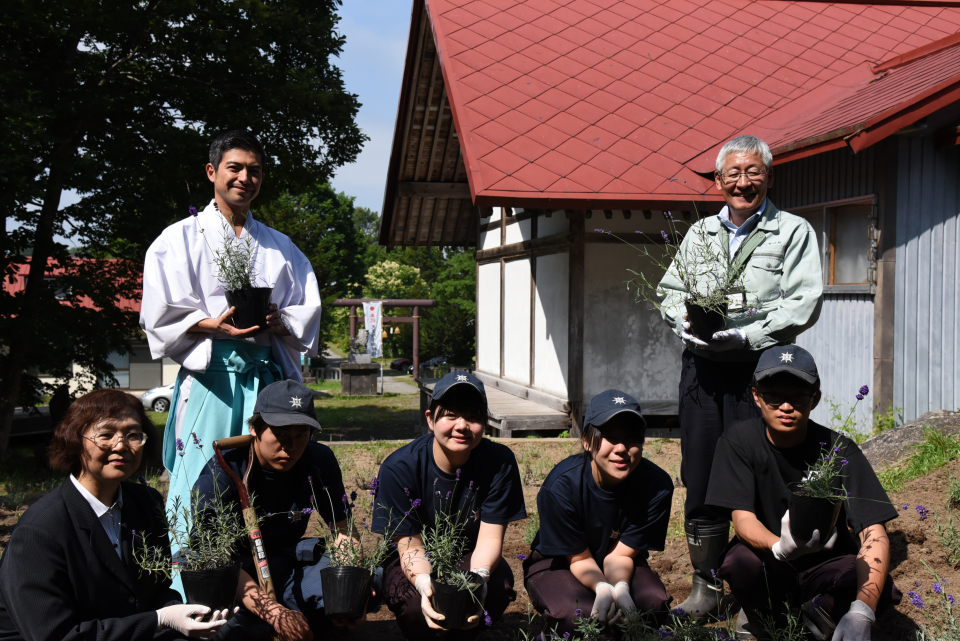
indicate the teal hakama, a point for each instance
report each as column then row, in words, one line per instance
column 220, row 403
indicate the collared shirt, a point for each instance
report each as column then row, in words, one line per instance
column 109, row 516
column 739, row 233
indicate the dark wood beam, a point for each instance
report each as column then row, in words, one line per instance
column 575, row 317
column 433, row 190
column 557, row 242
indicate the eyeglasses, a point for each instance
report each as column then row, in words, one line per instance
column 106, row 441
column 797, row 399
column 733, row 176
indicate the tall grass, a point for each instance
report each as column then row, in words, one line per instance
column 936, row 449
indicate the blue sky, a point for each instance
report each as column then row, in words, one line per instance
column 372, row 65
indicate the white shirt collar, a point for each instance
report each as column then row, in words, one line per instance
column 724, row 217
column 98, row 508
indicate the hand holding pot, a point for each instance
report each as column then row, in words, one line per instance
column 727, row 339
column 186, row 618
column 274, row 322
column 786, row 549
column 605, row 603
column 426, row 591
column 855, row 624
column 689, row 340
column 224, row 325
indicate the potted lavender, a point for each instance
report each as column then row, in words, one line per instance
column 234, row 265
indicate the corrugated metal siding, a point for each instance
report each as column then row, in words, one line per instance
column 842, row 344
column 835, row 175
column 926, row 374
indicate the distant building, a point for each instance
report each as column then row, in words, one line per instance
column 530, row 129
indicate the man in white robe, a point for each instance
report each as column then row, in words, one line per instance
column 186, row 317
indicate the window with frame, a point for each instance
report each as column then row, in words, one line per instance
column 846, row 234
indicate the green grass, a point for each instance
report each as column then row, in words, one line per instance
column 936, row 450
column 364, row 418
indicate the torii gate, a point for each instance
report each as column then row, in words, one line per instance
column 415, row 303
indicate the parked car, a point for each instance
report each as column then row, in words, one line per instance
column 158, row 399
column 400, row 364
column 433, row 362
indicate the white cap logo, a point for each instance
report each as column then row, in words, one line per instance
column 461, row 378
column 620, row 400
column 295, row 401
column 786, row 358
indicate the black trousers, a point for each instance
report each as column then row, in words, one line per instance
column 713, row 395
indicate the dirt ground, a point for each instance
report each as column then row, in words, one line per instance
column 913, row 539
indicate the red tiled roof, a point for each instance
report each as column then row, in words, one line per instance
column 16, row 282
column 613, row 100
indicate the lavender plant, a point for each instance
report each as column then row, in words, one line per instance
column 940, row 619
column 234, row 263
column 210, row 543
column 636, row 626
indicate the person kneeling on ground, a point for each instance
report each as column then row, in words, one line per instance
column 465, row 475
column 600, row 512
column 68, row 571
column 837, row 587
column 284, row 470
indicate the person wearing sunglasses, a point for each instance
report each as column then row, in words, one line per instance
column 778, row 259
column 68, row 571
column 839, row 579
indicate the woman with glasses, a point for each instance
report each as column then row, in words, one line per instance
column 68, row 571
column 838, row 579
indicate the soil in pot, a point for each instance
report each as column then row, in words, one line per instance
column 252, row 305
column 345, row 591
column 705, row 322
column 808, row 513
column 455, row 604
column 215, row 589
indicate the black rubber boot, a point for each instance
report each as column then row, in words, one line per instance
column 706, row 541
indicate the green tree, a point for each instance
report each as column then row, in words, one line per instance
column 321, row 223
column 118, row 101
column 449, row 328
column 368, row 225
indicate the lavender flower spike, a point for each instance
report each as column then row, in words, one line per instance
column 192, row 211
column 864, row 390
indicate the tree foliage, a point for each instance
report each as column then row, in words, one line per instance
column 449, row 328
column 322, row 224
column 118, row 101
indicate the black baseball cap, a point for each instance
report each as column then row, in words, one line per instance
column 608, row 404
column 287, row 403
column 791, row 359
column 455, row 378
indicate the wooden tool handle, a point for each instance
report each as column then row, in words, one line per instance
column 259, row 553
column 232, row 442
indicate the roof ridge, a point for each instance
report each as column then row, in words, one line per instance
column 918, row 53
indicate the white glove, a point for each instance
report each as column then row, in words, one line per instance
column 485, row 573
column 185, row 619
column 855, row 624
column 621, row 594
column 425, row 589
column 786, row 549
column 728, row 339
column 689, row 340
column 605, row 604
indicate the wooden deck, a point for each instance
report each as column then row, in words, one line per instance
column 506, row 413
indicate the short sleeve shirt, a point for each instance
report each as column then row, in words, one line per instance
column 576, row 514
column 488, row 490
column 750, row 473
column 280, row 498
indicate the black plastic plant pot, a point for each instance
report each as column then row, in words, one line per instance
column 215, row 589
column 809, row 513
column 252, row 306
column 705, row 322
column 345, row 591
column 454, row 604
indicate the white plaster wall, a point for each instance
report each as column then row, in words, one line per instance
column 488, row 318
column 490, row 239
column 627, row 345
column 550, row 329
column 555, row 224
column 170, row 370
column 518, row 232
column 516, row 321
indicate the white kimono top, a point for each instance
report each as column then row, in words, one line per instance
column 180, row 289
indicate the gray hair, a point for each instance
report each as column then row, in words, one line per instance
column 745, row 145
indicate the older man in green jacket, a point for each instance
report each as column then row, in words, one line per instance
column 781, row 296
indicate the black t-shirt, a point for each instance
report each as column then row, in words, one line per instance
column 576, row 514
column 749, row 473
column 488, row 490
column 279, row 497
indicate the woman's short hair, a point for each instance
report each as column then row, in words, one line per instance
column 745, row 145
column 592, row 436
column 66, row 449
column 461, row 400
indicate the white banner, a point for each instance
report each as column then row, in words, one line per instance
column 373, row 323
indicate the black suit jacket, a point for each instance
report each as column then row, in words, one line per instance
column 61, row 578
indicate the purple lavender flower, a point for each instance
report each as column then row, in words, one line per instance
column 449, row 494
column 133, row 533
column 836, row 449
column 859, row 397
column 864, row 390
column 721, row 617
column 938, row 588
column 192, row 211
column 916, row 600
column 142, row 479
column 578, row 613
column 750, row 313
column 179, row 445
column 844, row 462
column 817, row 601
column 950, row 599
column 680, row 613
column 598, row 230
column 664, row 633
column 713, row 573
column 487, row 619
column 906, row 506
column 668, row 215
column 822, row 443
column 406, row 491
column 923, row 512
column 666, row 236
column 916, row 583
column 308, row 511
column 415, row 503
column 566, row 635
column 522, row 557
column 458, row 473
column 470, row 487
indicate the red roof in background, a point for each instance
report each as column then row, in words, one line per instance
column 608, row 100
column 17, row 282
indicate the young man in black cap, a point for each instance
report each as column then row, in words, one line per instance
column 473, row 477
column 286, row 470
column 600, row 513
column 837, row 581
